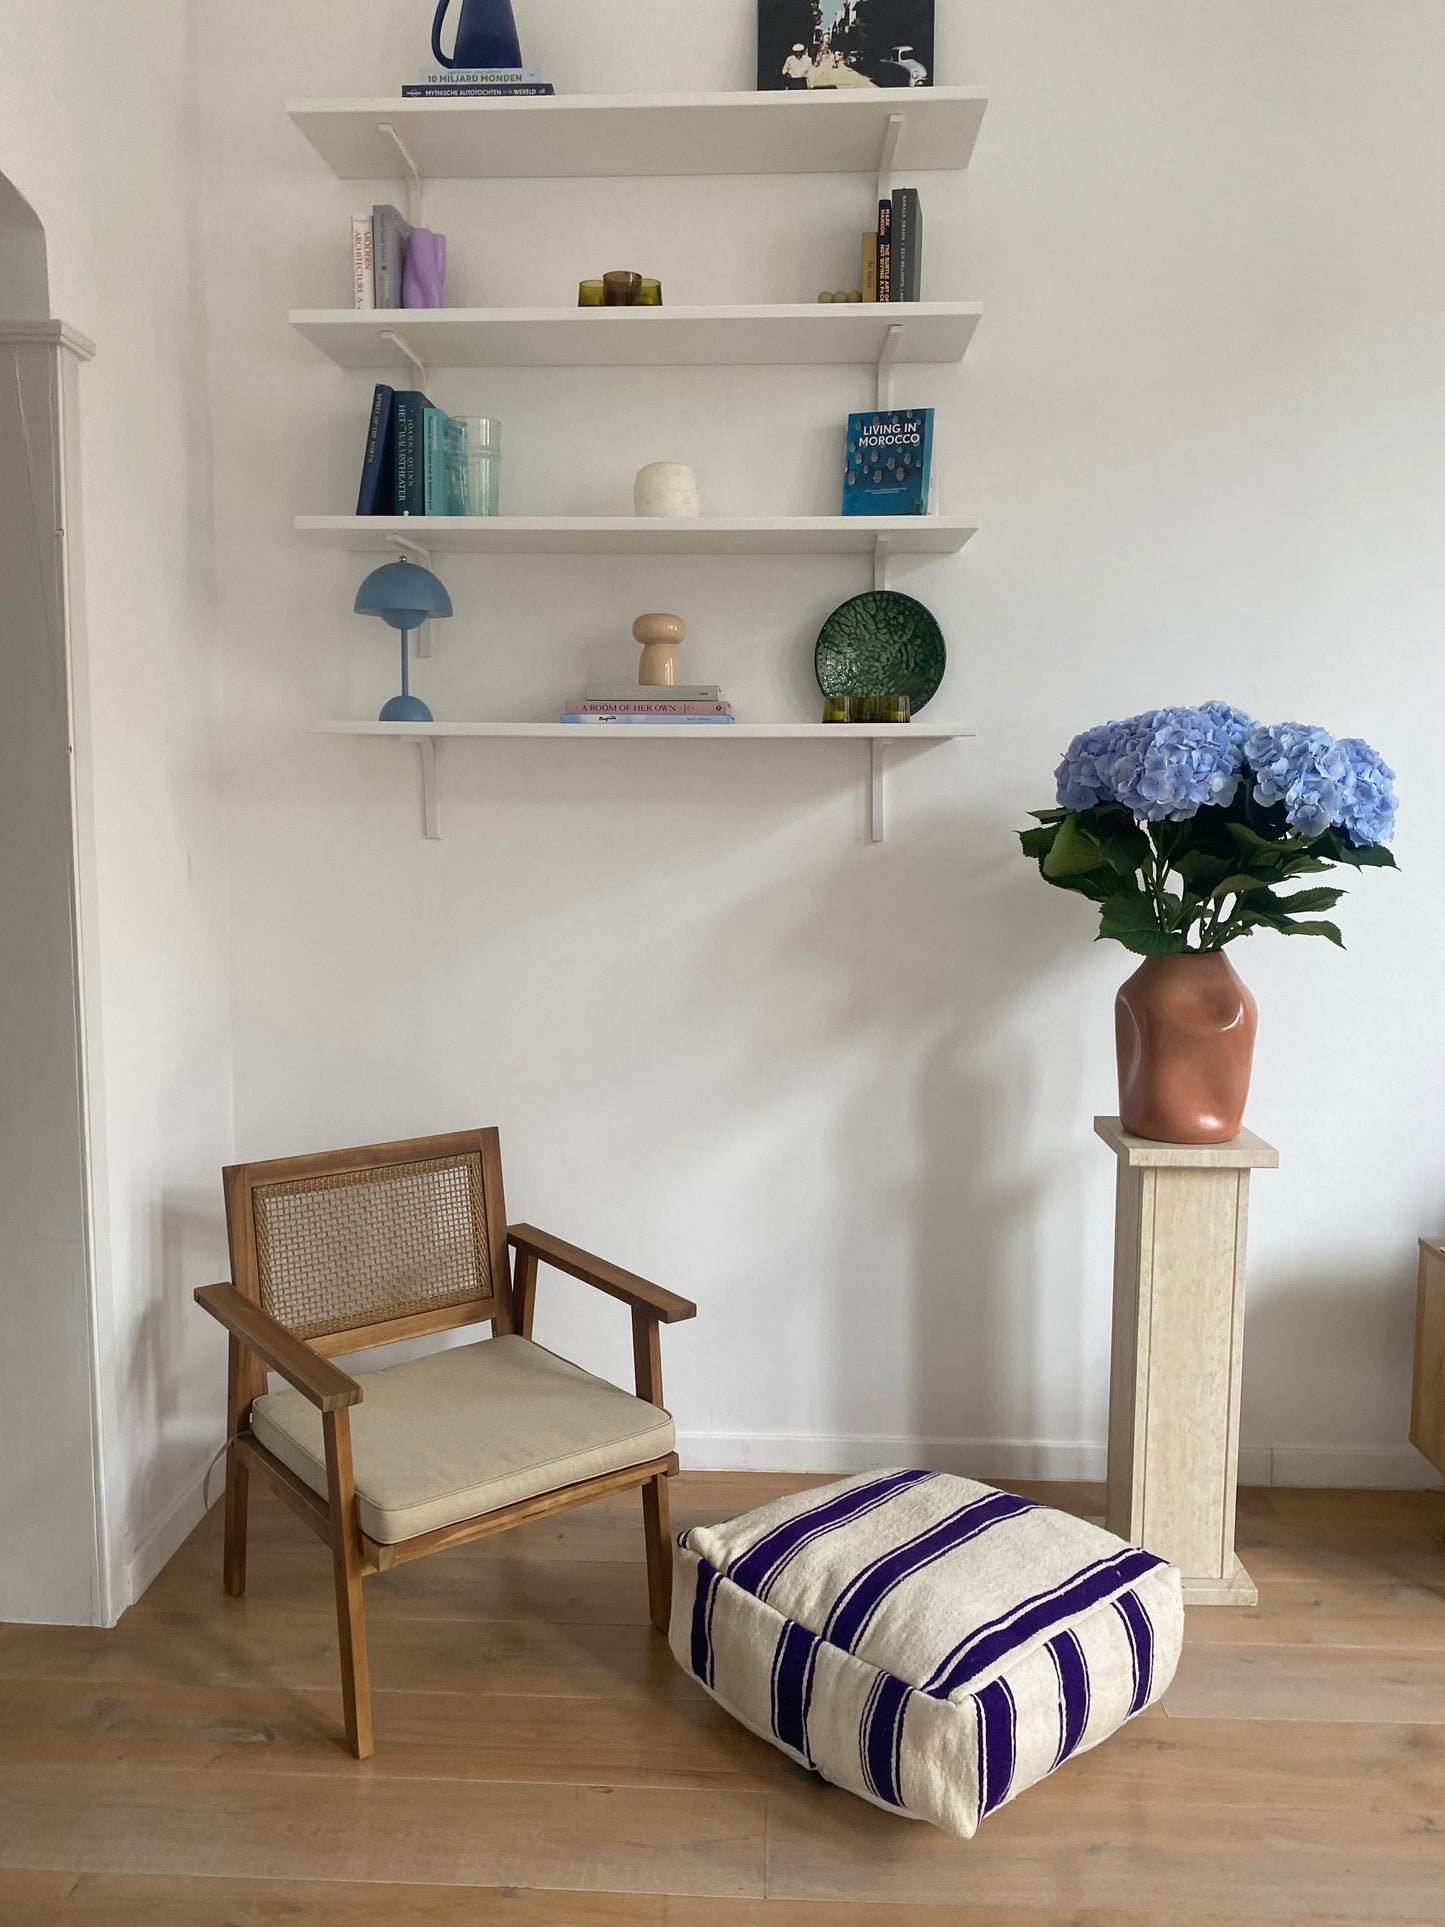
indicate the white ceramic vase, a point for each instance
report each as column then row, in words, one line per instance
column 666, row 488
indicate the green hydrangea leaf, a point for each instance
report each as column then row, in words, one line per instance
column 1074, row 852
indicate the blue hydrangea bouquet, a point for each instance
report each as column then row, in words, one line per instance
column 1184, row 824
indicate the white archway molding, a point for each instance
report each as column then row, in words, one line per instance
column 53, row 1515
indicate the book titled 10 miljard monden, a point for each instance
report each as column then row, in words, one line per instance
column 890, row 462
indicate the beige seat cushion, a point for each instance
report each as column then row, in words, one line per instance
column 467, row 1431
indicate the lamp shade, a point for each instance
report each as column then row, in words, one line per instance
column 403, row 594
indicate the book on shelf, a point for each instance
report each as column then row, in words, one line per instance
column 907, row 245
column 869, row 282
column 377, row 495
column 478, row 76
column 885, row 250
column 641, row 692
column 648, row 706
column 390, row 232
column 889, row 462
column 444, row 463
column 847, row 43
column 648, row 722
column 363, row 275
column 447, row 91
column 408, row 431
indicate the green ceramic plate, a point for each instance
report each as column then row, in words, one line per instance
column 881, row 644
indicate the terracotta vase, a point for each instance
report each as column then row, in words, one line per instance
column 1185, row 1028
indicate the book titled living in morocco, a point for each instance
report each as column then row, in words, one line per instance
column 889, row 462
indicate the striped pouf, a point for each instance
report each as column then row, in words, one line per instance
column 930, row 1644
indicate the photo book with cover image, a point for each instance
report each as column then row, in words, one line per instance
column 811, row 44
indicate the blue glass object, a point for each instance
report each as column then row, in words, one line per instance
column 486, row 35
column 404, row 595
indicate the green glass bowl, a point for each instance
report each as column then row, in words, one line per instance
column 881, row 644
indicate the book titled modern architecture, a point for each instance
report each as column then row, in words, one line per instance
column 363, row 277
column 808, row 44
column 889, row 462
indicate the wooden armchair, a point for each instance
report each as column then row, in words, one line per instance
column 349, row 1249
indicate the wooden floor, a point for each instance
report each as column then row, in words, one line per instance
column 541, row 1762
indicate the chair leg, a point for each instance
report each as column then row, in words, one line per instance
column 355, row 1668
column 657, row 1530
column 238, row 1489
column 346, row 1568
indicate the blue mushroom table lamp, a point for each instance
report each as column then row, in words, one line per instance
column 405, row 595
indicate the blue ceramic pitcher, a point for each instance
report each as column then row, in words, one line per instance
column 486, row 35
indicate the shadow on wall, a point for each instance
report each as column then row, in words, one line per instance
column 1298, row 1329
column 181, row 1235
column 24, row 274
column 929, row 1272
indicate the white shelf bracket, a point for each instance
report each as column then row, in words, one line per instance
column 882, row 556
column 421, row 642
column 408, row 355
column 877, row 758
column 887, row 355
column 415, row 186
column 431, row 801
column 888, row 155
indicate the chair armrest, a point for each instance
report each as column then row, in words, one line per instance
column 617, row 1283
column 316, row 1378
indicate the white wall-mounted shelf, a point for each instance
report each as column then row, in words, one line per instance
column 878, row 738
column 810, row 334
column 897, row 535
column 656, row 134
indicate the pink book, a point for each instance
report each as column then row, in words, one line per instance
column 647, row 706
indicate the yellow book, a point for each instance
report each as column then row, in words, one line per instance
column 870, row 266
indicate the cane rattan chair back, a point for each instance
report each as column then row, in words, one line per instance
column 362, row 1247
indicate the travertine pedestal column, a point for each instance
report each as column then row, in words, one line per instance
column 1182, row 1213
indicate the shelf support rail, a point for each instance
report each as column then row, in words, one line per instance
column 882, row 556
column 431, row 801
column 421, row 642
column 888, row 155
column 415, row 186
column 877, row 758
column 887, row 355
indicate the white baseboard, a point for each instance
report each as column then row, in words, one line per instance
column 1004, row 1459
column 165, row 1536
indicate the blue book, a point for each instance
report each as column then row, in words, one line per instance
column 889, row 462
column 409, row 408
column 377, row 494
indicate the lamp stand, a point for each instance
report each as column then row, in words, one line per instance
column 405, row 708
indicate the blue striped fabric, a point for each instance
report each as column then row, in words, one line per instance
column 880, row 1738
column 702, row 1609
column 757, row 1569
column 794, row 1664
column 997, row 1743
column 993, row 1643
column 860, row 1599
column 1073, row 1671
column 1130, row 1608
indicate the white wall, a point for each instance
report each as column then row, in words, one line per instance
column 842, row 1094
column 99, row 128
